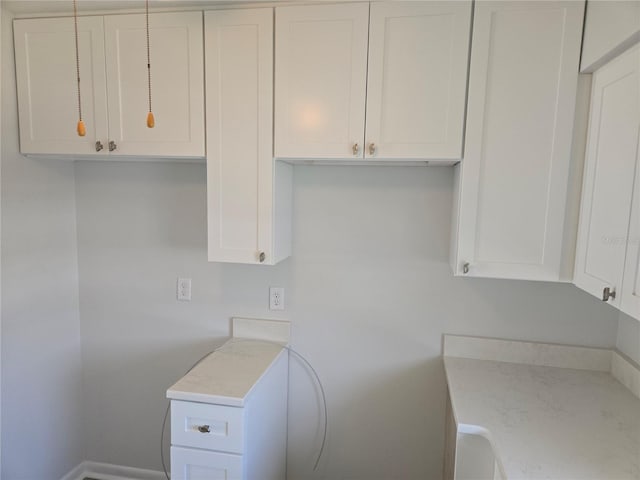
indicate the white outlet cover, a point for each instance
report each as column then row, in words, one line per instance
column 276, row 298
column 184, row 289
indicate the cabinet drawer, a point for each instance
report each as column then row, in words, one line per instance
column 211, row 427
column 190, row 464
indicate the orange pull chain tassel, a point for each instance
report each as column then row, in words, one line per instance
column 151, row 121
column 82, row 131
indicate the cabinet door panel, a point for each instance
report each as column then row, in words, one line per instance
column 193, row 464
column 417, row 79
column 239, row 56
column 47, row 85
column 609, row 176
column 514, row 177
column 321, row 65
column 630, row 300
column 177, row 84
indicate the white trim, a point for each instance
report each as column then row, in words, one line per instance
column 107, row 471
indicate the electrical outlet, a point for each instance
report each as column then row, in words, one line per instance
column 276, row 298
column 184, row 289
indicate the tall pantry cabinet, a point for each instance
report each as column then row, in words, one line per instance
column 511, row 187
column 249, row 195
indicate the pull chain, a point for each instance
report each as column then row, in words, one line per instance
column 81, row 129
column 151, row 122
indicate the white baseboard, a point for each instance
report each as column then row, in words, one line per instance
column 107, row 471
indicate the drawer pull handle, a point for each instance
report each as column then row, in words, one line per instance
column 204, row 429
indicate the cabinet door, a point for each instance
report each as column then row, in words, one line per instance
column 321, row 73
column 513, row 181
column 193, row 464
column 47, row 85
column 177, row 84
column 417, row 79
column 239, row 66
column 610, row 164
column 630, row 301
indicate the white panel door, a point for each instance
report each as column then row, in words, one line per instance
column 417, row 79
column 321, row 74
column 514, row 176
column 194, row 464
column 630, row 299
column 47, row 85
column 610, row 164
column 239, row 67
column 177, row 84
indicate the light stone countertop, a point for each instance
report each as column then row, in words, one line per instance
column 227, row 376
column 546, row 422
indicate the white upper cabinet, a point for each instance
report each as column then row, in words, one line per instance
column 417, row 79
column 177, row 85
column 248, row 194
column 114, row 87
column 321, row 75
column 403, row 63
column 511, row 188
column 47, row 84
column 610, row 170
column 630, row 298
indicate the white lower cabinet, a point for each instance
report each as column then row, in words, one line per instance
column 190, row 464
column 511, row 188
column 237, row 438
column 248, row 193
column 607, row 248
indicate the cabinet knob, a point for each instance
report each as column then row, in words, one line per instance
column 112, row 146
column 99, row 146
column 355, row 149
column 261, row 257
column 204, row 429
column 465, row 268
column 372, row 149
column 607, row 294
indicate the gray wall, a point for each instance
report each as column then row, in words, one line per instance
column 368, row 291
column 41, row 381
column 629, row 337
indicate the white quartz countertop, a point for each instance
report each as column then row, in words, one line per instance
column 227, row 376
column 547, row 422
